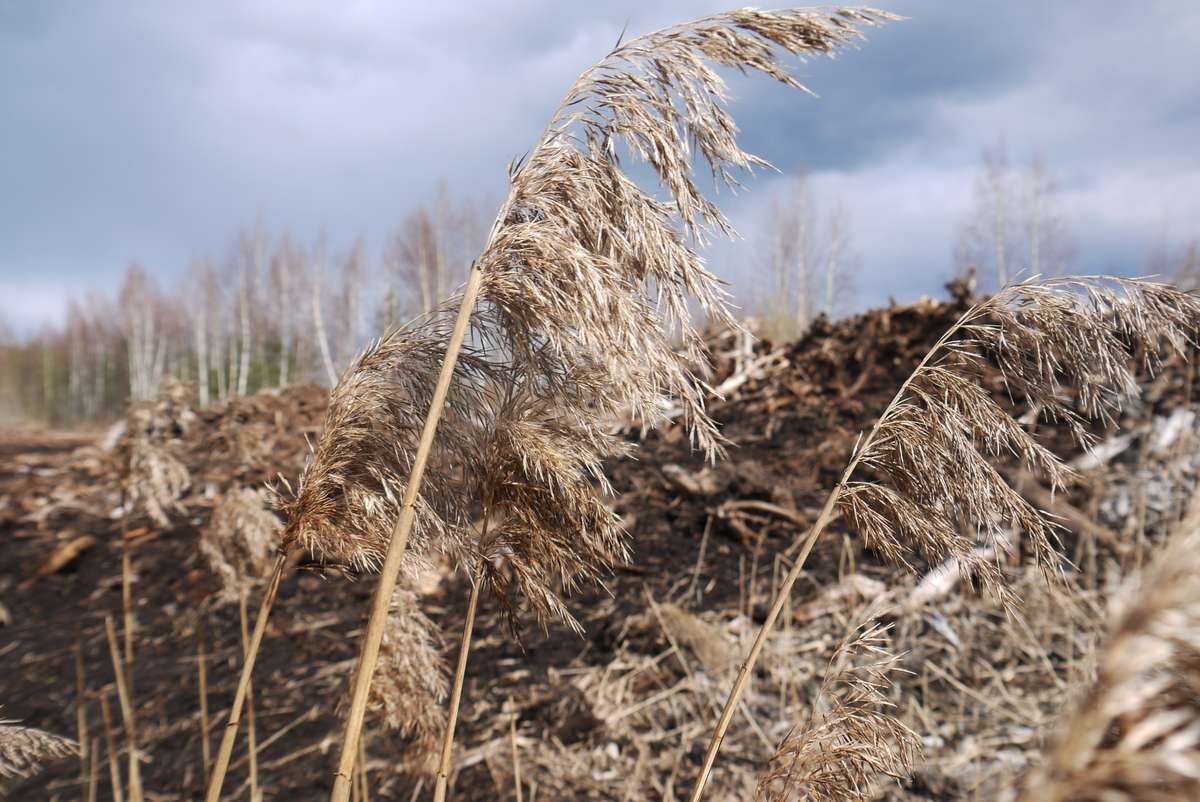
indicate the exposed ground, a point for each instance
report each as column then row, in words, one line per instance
column 624, row 712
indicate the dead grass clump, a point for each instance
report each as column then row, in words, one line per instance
column 154, row 478
column 709, row 642
column 240, row 539
column 157, row 481
column 23, row 749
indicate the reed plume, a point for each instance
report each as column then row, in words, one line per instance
column 1136, row 733
column 350, row 491
column 352, row 488
column 585, row 261
column 850, row 740
column 1065, row 350
column 410, row 683
column 240, row 539
column 537, row 475
column 23, row 749
column 587, row 274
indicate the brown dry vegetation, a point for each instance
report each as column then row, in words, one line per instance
column 623, row 711
column 888, row 591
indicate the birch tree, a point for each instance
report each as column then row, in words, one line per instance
column 1015, row 223
column 318, row 316
column 810, row 259
column 283, row 290
column 430, row 251
column 138, row 302
column 250, row 249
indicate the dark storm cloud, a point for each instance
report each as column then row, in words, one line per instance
column 153, row 130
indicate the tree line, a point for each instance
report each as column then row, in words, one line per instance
column 275, row 311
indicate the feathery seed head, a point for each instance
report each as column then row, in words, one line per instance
column 586, row 283
column 851, row 740
column 22, row 749
column 410, row 680
column 240, row 538
column 1136, row 734
column 349, row 494
column 1066, row 349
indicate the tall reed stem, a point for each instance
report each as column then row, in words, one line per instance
column 119, row 672
column 364, row 792
column 810, row 540
column 114, row 765
column 81, row 717
column 516, row 758
column 460, row 673
column 127, row 605
column 369, row 655
column 251, row 734
column 202, row 677
column 93, row 778
column 221, row 765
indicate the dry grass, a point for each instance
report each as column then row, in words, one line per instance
column 583, row 286
column 1067, row 350
column 851, row 740
column 410, row 682
column 583, row 295
column 1136, row 733
column 154, row 477
column 24, row 749
column 240, row 539
column 349, row 494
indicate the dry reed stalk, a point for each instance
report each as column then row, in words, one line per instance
column 1136, row 733
column 364, row 790
column 849, row 740
column 202, row 681
column 251, row 733
column 1051, row 341
column 127, row 715
column 127, row 624
column 373, row 436
column 397, row 546
column 516, row 759
column 443, row 772
column 225, row 750
column 22, row 749
column 114, row 764
column 93, row 778
column 584, row 280
column 81, row 714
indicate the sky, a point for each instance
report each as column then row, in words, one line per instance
column 154, row 130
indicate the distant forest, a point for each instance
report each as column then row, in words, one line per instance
column 275, row 311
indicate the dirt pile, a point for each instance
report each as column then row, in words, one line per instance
column 625, row 711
